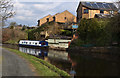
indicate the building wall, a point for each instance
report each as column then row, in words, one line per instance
column 91, row 14
column 51, row 18
column 84, row 15
column 115, row 12
column 79, row 12
column 43, row 20
column 65, row 17
column 106, row 12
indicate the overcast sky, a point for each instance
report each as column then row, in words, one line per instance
column 29, row 11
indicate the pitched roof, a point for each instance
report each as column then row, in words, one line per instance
column 99, row 5
column 61, row 12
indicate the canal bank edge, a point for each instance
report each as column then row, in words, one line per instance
column 109, row 49
column 51, row 48
column 39, row 64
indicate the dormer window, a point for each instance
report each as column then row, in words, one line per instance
column 86, row 11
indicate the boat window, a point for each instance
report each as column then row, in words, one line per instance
column 36, row 43
column 26, row 42
column 43, row 43
column 30, row 42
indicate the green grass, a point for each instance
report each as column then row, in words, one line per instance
column 42, row 67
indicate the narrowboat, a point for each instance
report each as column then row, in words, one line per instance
column 32, row 43
column 62, row 44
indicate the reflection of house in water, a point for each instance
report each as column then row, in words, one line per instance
column 59, row 59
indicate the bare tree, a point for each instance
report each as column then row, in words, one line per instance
column 117, row 3
column 6, row 9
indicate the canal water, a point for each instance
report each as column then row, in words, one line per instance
column 79, row 63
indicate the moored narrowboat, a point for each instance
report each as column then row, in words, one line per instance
column 33, row 43
column 58, row 44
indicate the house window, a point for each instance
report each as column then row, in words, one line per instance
column 111, row 12
column 47, row 19
column 38, row 22
column 65, row 18
column 54, row 18
column 86, row 11
column 102, row 11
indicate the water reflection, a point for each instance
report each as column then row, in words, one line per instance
column 62, row 55
column 58, row 58
column 40, row 53
column 37, row 52
column 79, row 63
column 87, row 65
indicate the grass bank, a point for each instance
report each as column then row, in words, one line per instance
column 42, row 67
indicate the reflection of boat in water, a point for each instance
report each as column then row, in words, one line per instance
column 42, row 52
column 36, row 52
column 33, row 43
column 57, row 58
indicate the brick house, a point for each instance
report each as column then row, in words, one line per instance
column 64, row 17
column 43, row 20
column 95, row 9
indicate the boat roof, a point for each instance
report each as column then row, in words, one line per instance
column 33, row 40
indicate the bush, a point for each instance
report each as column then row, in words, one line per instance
column 92, row 31
column 76, row 42
column 13, row 36
column 66, row 33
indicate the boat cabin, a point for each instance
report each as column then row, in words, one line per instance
column 33, row 43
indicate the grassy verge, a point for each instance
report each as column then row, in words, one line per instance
column 42, row 67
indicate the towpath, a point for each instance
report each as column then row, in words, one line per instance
column 14, row 65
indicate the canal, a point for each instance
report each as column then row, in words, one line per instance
column 78, row 63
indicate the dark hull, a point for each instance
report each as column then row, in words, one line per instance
column 32, row 46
